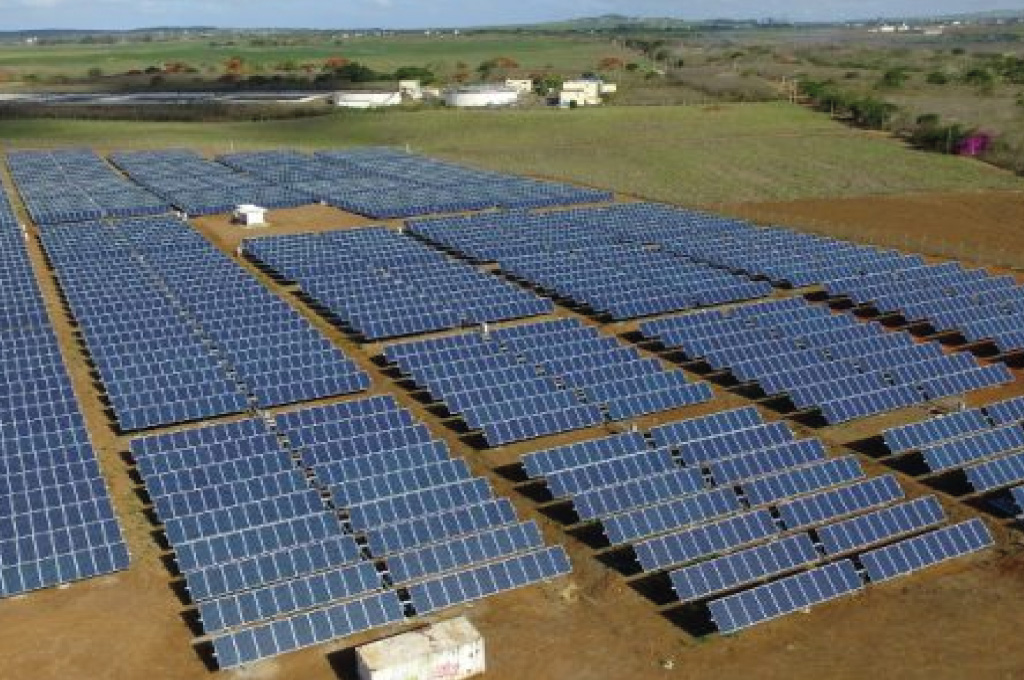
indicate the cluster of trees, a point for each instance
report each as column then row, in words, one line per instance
column 927, row 132
column 864, row 111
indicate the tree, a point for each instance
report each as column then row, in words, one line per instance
column 335, row 63
column 894, row 77
column 234, row 66
column 419, row 73
column 978, row 76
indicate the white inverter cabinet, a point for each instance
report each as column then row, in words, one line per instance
column 451, row 650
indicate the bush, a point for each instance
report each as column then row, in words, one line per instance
column 937, row 78
column 894, row 77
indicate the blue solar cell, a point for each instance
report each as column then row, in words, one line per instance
column 973, row 447
column 728, row 572
column 489, row 579
column 917, row 435
column 460, row 552
column 1004, row 412
column 338, row 621
column 881, row 525
column 703, row 541
column 791, row 594
column 610, row 500
column 586, row 452
column 914, row 554
column 673, row 514
column 782, row 485
column 997, row 473
column 810, row 510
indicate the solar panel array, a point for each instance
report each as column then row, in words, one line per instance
column 979, row 305
column 583, row 256
column 179, row 332
column 382, row 284
column 76, row 185
column 776, row 254
column 57, row 524
column 832, row 362
column 386, row 183
column 199, row 186
column 305, row 527
column 726, row 502
column 533, row 380
column 986, row 444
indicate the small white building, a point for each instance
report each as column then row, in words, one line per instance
column 524, row 85
column 481, row 97
column 453, row 650
column 249, row 215
column 585, row 92
column 413, row 89
column 366, row 99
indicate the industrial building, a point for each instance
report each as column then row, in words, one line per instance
column 481, row 96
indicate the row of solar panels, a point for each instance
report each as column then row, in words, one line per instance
column 198, row 186
column 77, row 185
column 973, row 302
column 725, row 502
column 387, row 184
column 57, row 523
column 844, row 368
column 382, row 284
column 566, row 256
column 179, row 332
column 302, row 529
column 985, row 445
column 732, row 246
column 533, row 380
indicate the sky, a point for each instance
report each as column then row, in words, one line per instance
column 402, row 14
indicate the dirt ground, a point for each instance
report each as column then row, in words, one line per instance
column 986, row 227
column 958, row 620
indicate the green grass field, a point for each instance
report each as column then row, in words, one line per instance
column 687, row 155
column 382, row 54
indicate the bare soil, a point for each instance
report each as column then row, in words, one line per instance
column 958, row 620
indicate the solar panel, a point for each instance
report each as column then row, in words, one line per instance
column 698, row 451
column 707, row 426
column 918, row 435
column 287, row 597
column 976, row 446
column 303, row 630
column 294, row 561
column 672, row 514
column 810, row 510
column 881, row 525
column 488, row 579
column 728, row 572
column 803, row 480
column 919, row 552
column 463, row 551
column 543, row 463
column 1009, row 411
column 997, row 473
column 1017, row 493
column 609, row 472
column 705, row 540
column 402, row 535
column 610, row 500
column 759, row 463
column 786, row 596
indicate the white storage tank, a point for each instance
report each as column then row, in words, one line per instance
column 366, row 99
column 453, row 650
column 481, row 96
